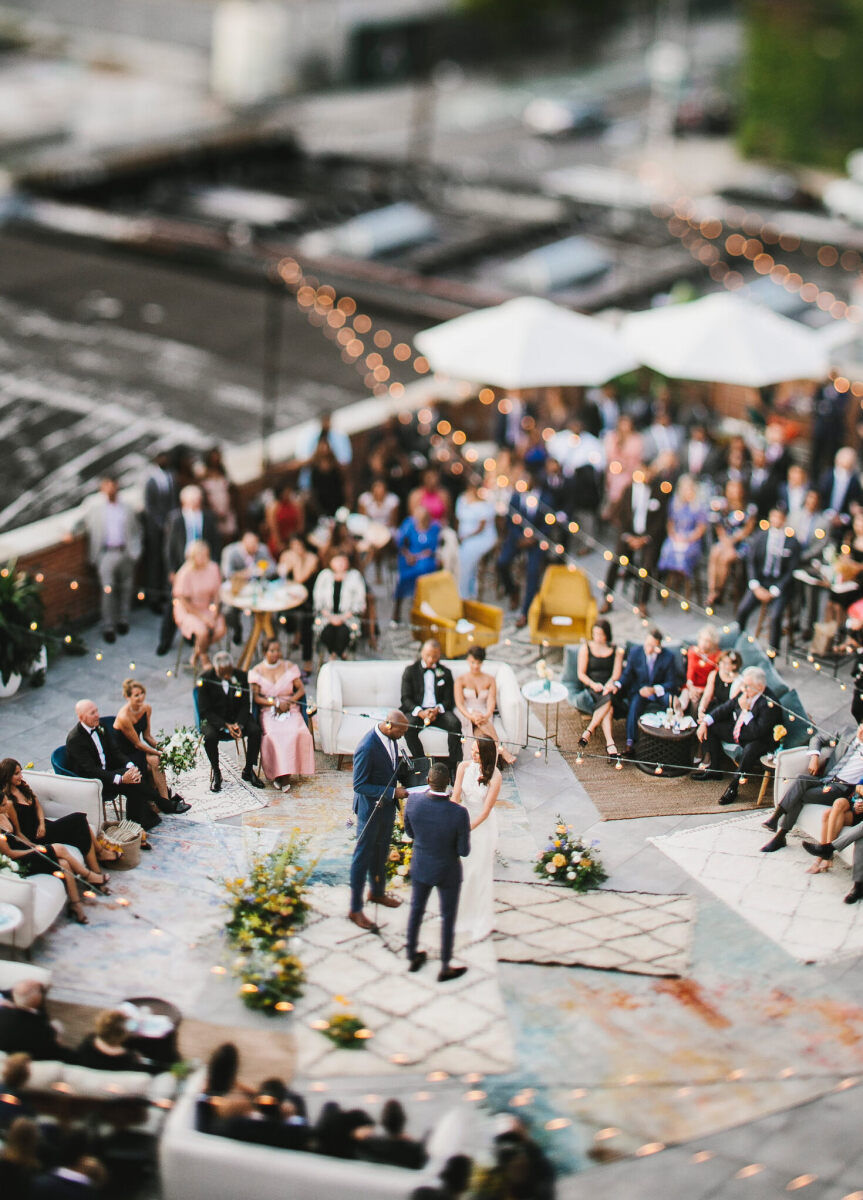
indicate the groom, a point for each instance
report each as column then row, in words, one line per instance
column 441, row 837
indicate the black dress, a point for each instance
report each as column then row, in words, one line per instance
column 70, row 830
column 89, row 1055
column 721, row 692
column 600, row 668
column 336, row 638
column 131, row 753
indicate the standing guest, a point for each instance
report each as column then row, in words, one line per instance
column 284, row 517
column 477, row 534
column 840, row 489
column 327, row 484
column 300, row 564
column 475, row 694
column 687, row 525
column 219, row 493
column 809, row 525
column 702, row 660
column 19, row 1160
column 663, row 436
column 322, row 432
column 641, row 515
column 736, row 464
column 380, row 504
column 277, row 688
column 225, row 706
column 432, row 496
column 135, row 742
column 339, row 601
column 197, row 614
column 428, row 698
column 624, row 452
column 376, row 790
column 792, row 493
column 105, row 1048
column 114, row 547
column 599, row 664
column 160, row 500
column 699, row 458
column 441, row 838
column 417, row 544
column 833, row 773
column 190, row 523
column 93, row 756
column 763, row 484
column 25, row 1027
column 45, row 858
column 242, row 561
column 733, row 522
column 747, row 721
column 828, row 425
column 648, row 682
column 774, row 554
column 521, row 538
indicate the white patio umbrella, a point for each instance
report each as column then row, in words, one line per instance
column 526, row 343
column 725, row 339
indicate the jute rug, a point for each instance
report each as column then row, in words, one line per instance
column 629, row 793
column 637, row 932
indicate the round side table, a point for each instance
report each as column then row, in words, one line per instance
column 545, row 695
column 666, row 748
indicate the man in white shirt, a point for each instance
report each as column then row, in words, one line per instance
column 114, row 545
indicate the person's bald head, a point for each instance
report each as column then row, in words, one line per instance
column 28, row 993
column 394, row 725
column 87, row 713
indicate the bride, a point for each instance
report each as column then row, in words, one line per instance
column 477, row 785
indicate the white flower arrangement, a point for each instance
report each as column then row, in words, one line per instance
column 179, row 749
column 9, row 864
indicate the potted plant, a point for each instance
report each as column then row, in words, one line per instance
column 21, row 611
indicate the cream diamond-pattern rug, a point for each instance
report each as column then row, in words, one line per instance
column 236, row 795
column 637, row 932
column 803, row 914
column 456, row 1027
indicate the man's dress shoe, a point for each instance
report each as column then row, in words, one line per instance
column 251, row 777
column 775, row 843
column 729, row 796
column 385, row 900
column 855, row 894
column 216, row 785
column 447, row 973
column 418, row 960
column 362, row 922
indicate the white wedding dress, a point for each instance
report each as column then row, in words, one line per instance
column 475, row 918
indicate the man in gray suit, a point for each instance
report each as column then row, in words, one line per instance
column 854, row 833
column 114, row 546
column 441, row 837
column 830, row 776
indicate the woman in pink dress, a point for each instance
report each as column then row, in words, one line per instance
column 196, row 602
column 277, row 688
column 432, row 496
column 624, row 450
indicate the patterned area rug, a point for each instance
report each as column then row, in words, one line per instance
column 803, row 914
column 236, row 795
column 456, row 1027
column 637, row 932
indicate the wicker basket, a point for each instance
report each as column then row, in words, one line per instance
column 126, row 835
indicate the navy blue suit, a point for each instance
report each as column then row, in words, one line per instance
column 374, row 775
column 636, row 675
column 514, row 542
column 441, row 836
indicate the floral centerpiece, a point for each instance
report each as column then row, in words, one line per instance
column 344, row 1029
column 545, row 673
column 779, row 733
column 401, row 852
column 10, row 865
column 270, row 980
column 179, row 749
column 570, row 861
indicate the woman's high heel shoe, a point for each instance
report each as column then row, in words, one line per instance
column 76, row 911
column 612, row 753
column 584, row 739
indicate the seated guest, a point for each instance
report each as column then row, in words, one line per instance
column 225, row 706
column 417, row 543
column 687, row 525
column 475, row 695
column 285, row 517
column 833, row 779
column 196, row 603
column 244, row 560
column 723, row 682
column 24, row 1024
column 732, row 521
column 45, row 858
column 428, row 698
column 844, row 812
column 774, row 554
column 701, row 661
column 746, row 721
column 850, row 835
column 338, row 1132
column 105, row 1048
column 648, row 683
column 91, row 754
column 455, row 1180
column 278, row 1118
column 336, row 540
column 300, row 564
column 191, row 522
column 13, row 1080
column 393, row 1145
column 339, row 602
column 526, row 1170
column 19, row 1160
column 287, row 747
column 134, row 739
column 599, row 663
column 809, row 525
column 223, row 1095
column 380, row 504
column 79, row 1175
column 792, row 493
column 72, row 829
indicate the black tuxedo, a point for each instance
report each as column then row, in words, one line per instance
column 218, row 708
column 413, row 690
column 654, row 530
column 29, row 1032
column 441, row 837
column 755, row 737
column 777, row 575
column 83, row 759
column 174, row 548
column 160, row 500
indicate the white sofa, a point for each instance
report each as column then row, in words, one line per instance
column 351, row 696
column 41, row 898
column 790, row 764
column 204, row 1166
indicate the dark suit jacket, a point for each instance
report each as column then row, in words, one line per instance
column 265, row 1132
column 413, row 687
column 159, row 503
column 636, row 674
column 54, row 1187
column 657, row 513
column 441, row 835
column 84, row 759
column 29, row 1032
column 175, row 539
column 218, row 708
column 755, row 561
column 397, row 1152
column 373, row 770
column 759, row 729
column 853, row 493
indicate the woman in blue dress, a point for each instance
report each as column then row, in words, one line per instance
column 416, row 541
column 687, row 525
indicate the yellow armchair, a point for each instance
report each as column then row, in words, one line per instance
column 563, row 610
column 438, row 609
